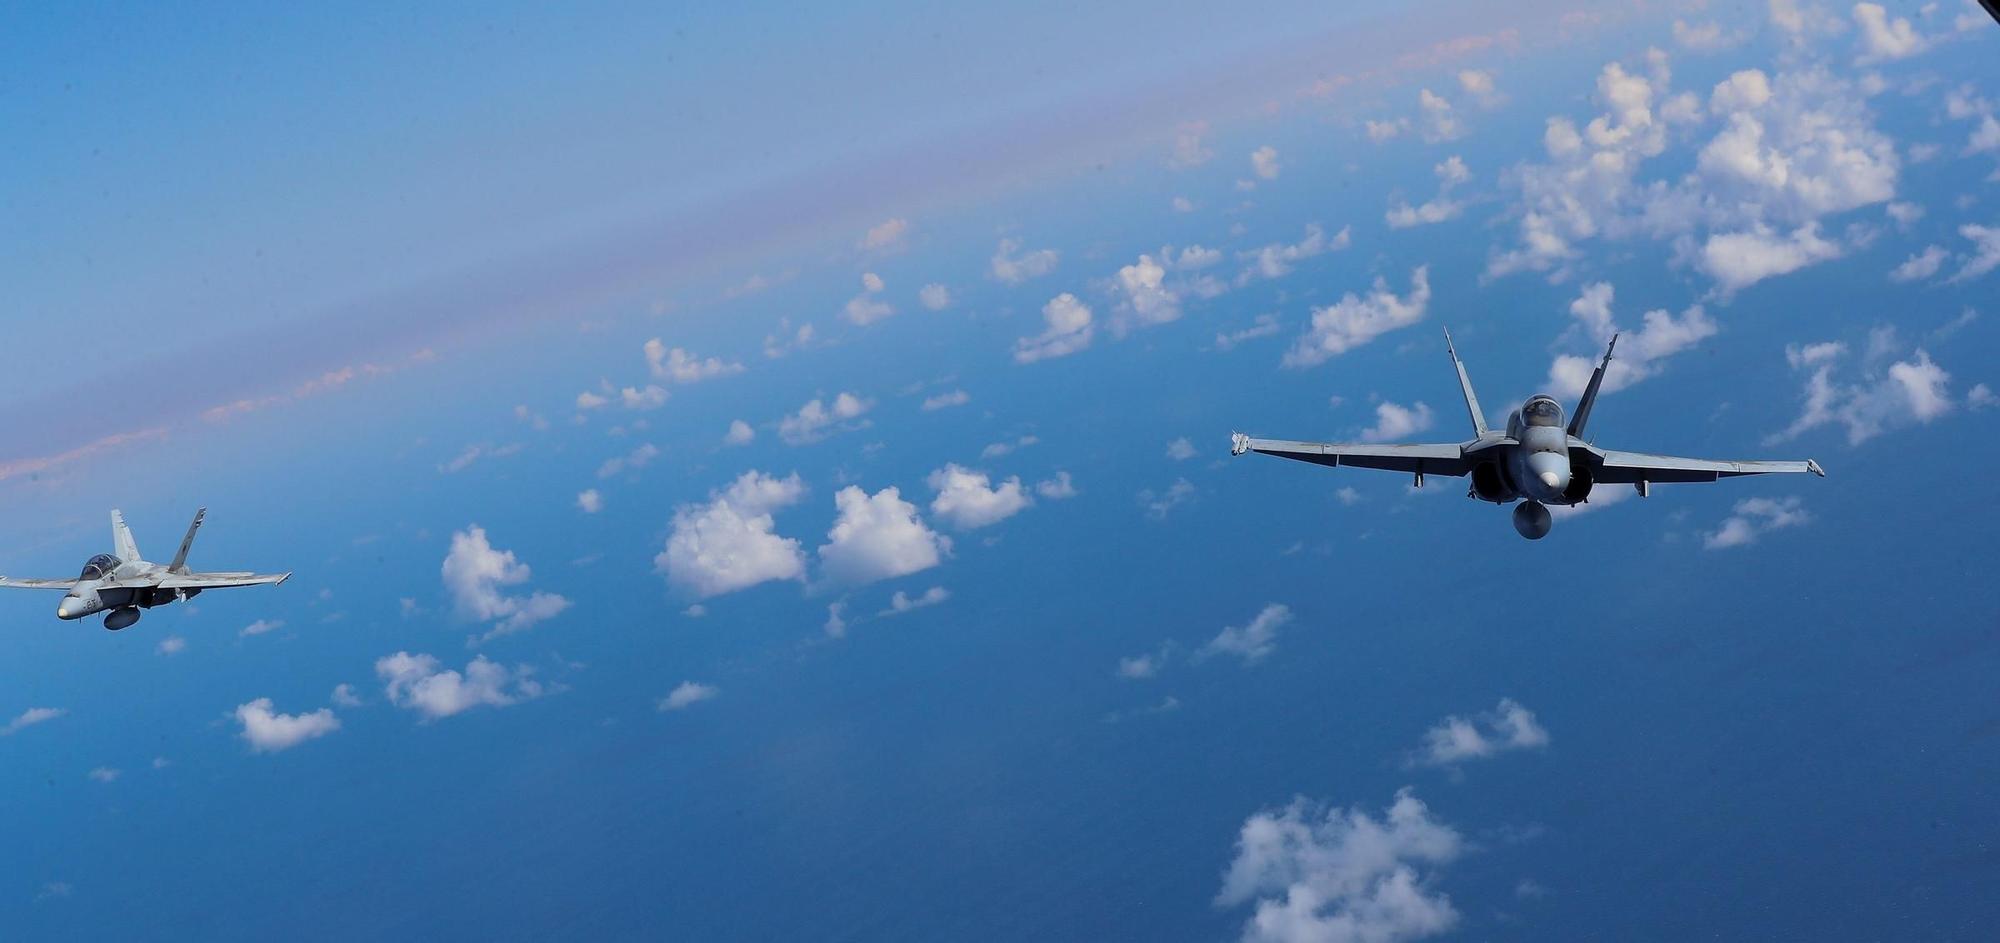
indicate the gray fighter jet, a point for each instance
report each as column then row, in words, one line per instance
column 120, row 583
column 1536, row 461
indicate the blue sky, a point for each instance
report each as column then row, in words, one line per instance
column 765, row 475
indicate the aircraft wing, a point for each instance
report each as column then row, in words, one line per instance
column 219, row 580
column 1445, row 458
column 1626, row 468
column 11, row 583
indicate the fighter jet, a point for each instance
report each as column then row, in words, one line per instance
column 1537, row 461
column 120, row 583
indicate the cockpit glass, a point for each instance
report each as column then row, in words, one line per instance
column 1542, row 412
column 98, row 567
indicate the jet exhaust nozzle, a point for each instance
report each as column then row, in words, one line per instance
column 1532, row 520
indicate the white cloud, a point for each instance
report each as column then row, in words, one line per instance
column 1057, row 488
column 877, row 537
column 1264, row 325
column 1159, row 504
column 934, row 297
column 1189, row 148
column 1182, row 204
column 1147, row 298
column 739, row 433
column 888, row 234
column 687, row 694
column 1480, row 86
column 1347, row 496
column 867, row 308
column 997, row 449
column 1395, row 422
column 1264, row 161
column 1148, row 665
column 1451, row 173
column 946, row 400
column 1276, row 260
column 420, row 683
column 589, row 400
column 475, row 573
column 1069, row 330
column 1914, row 390
column 1381, row 131
column 589, row 501
column 1252, row 642
column 1905, row 214
column 268, row 731
column 786, row 339
column 1753, row 517
column 1737, row 260
column 260, row 627
column 1985, row 138
column 1012, row 266
column 1354, row 321
column 651, row 396
column 1706, row 37
column 836, row 619
column 815, row 419
column 1985, row 251
column 1981, row 396
column 1328, row 875
column 1883, row 38
column 343, row 696
column 640, row 456
column 30, row 717
column 1437, row 121
column 903, row 602
column 171, row 645
column 1640, row 355
column 966, row 499
column 105, row 774
column 1506, row 728
column 730, row 543
column 1921, row 265
column 1181, row 449
column 682, row 367
column 1788, row 151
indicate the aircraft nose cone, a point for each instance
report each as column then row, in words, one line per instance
column 67, row 608
column 1552, row 480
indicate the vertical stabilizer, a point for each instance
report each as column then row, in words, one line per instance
column 122, row 545
column 1582, row 414
column 1465, row 384
column 180, row 563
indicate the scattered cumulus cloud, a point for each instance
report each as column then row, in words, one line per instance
column 679, row 366
column 934, row 297
column 640, row 456
column 1920, row 265
column 1069, row 330
column 589, row 501
column 687, row 694
column 421, row 683
column 1277, row 259
column 967, row 499
column 739, row 433
column 1264, row 162
column 1356, row 320
column 868, row 307
column 1328, row 875
column 31, row 717
column 888, row 234
column 1451, row 174
column 1159, row 504
column 946, row 400
column 903, row 602
column 878, row 536
column 1181, row 449
column 1641, row 354
column 1013, row 266
column 1882, row 38
column 1265, row 325
column 1057, row 488
column 268, row 731
column 476, row 575
column 1396, row 423
column 730, row 542
column 1506, row 728
column 171, row 645
column 816, row 419
column 1914, row 390
column 1479, row 85
column 1252, row 642
column 1751, row 518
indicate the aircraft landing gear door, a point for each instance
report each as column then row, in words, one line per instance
column 1645, row 488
